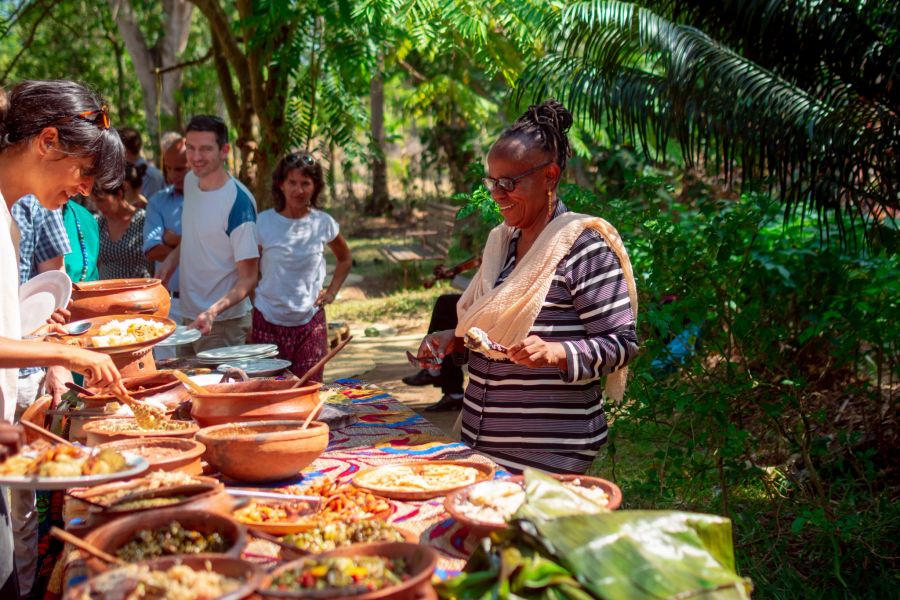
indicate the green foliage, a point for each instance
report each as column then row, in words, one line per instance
column 820, row 141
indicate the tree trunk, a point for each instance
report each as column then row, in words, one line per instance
column 378, row 201
column 171, row 42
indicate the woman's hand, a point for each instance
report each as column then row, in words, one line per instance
column 324, row 297
column 55, row 383
column 436, row 346
column 98, row 369
column 535, row 353
column 203, row 322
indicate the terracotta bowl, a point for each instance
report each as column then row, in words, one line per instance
column 187, row 458
column 484, row 528
column 95, row 436
column 164, row 387
column 253, row 400
column 119, row 296
column 115, row 534
column 263, row 451
column 247, row 572
column 421, row 561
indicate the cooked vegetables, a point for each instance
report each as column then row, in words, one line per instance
column 344, row 574
column 63, row 461
column 170, row 539
column 329, row 536
column 180, row 582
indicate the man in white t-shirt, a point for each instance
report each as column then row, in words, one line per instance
column 218, row 258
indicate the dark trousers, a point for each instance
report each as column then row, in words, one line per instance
column 443, row 316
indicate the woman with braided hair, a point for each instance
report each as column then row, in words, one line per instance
column 555, row 296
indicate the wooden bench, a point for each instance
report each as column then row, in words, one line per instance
column 428, row 240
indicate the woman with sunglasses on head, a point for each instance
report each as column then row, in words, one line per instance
column 556, row 296
column 55, row 143
column 289, row 302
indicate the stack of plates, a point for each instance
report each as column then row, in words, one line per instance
column 217, row 356
column 253, row 359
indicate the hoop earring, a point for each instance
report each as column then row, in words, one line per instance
column 549, row 204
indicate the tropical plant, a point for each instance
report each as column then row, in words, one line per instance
column 816, row 123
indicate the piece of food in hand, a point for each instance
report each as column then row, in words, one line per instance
column 477, row 340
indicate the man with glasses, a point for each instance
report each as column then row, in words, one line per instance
column 218, row 257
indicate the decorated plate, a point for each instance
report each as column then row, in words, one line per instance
column 422, row 480
column 136, row 466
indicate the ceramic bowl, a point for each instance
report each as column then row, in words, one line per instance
column 483, row 528
column 117, row 533
column 262, row 451
column 248, row 573
column 163, row 387
column 180, row 454
column 421, row 561
column 253, row 400
column 96, row 435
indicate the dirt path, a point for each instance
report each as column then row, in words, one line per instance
column 381, row 362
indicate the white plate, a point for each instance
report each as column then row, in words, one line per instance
column 236, row 352
column 182, row 335
column 55, row 282
column 136, row 466
column 35, row 310
column 257, row 367
column 219, row 361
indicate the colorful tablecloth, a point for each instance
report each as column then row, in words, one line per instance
column 387, row 432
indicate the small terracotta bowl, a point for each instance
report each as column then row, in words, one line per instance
column 187, row 459
column 115, row 534
column 248, row 573
column 261, row 451
column 95, row 435
column 254, row 400
column 421, row 561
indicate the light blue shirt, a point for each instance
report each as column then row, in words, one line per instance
column 163, row 212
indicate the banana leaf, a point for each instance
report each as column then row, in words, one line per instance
column 555, row 550
column 634, row 555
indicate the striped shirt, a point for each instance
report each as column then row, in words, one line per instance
column 543, row 417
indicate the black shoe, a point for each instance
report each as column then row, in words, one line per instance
column 446, row 402
column 423, row 377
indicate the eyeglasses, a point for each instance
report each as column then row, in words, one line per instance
column 292, row 159
column 99, row 117
column 508, row 184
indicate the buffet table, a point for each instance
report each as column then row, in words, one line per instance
column 386, row 432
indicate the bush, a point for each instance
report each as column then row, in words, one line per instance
column 784, row 415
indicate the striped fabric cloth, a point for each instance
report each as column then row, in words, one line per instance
column 543, row 418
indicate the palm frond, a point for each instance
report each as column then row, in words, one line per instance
column 648, row 79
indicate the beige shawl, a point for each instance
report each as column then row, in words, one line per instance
column 507, row 312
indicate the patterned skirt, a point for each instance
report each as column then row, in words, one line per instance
column 303, row 345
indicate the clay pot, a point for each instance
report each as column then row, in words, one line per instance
column 253, row 400
column 164, row 387
column 95, row 436
column 115, row 534
column 119, row 296
column 421, row 562
column 235, row 568
column 187, row 460
column 480, row 529
column 263, row 451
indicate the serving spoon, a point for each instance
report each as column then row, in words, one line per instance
column 84, row 546
column 76, row 329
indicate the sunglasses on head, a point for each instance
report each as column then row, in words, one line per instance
column 508, row 184
column 99, row 117
column 293, row 159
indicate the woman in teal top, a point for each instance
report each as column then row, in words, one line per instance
column 84, row 237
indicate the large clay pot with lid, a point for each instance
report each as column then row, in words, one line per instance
column 119, row 297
